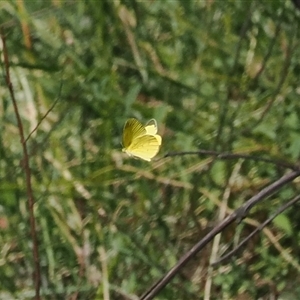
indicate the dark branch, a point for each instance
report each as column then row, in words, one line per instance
column 259, row 228
column 238, row 215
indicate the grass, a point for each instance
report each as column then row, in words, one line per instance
column 215, row 75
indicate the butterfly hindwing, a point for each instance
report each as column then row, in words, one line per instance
column 145, row 147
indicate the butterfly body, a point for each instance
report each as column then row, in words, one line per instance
column 141, row 141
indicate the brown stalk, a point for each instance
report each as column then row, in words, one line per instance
column 26, row 166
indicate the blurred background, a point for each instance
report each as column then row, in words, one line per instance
column 216, row 75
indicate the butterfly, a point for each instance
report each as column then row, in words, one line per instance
column 139, row 140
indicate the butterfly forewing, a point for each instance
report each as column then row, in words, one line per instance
column 151, row 127
column 132, row 129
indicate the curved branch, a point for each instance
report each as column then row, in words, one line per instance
column 237, row 215
column 259, row 228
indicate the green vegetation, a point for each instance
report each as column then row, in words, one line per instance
column 216, row 75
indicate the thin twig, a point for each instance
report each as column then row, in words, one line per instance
column 227, row 155
column 224, row 108
column 45, row 116
column 217, row 239
column 37, row 275
column 270, row 49
column 283, row 76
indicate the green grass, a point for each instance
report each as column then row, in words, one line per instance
column 216, row 75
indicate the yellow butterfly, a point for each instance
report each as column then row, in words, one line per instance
column 139, row 140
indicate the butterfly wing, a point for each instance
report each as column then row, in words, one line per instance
column 144, row 147
column 141, row 141
column 151, row 129
column 132, row 129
